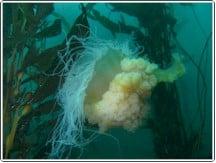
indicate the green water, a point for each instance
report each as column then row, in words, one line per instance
column 180, row 126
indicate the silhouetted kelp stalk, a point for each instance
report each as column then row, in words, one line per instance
column 194, row 139
column 171, row 139
column 170, row 136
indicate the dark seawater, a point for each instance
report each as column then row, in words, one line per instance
column 180, row 126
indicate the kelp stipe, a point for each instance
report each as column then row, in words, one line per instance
column 27, row 92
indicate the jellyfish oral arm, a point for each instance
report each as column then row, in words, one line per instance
column 125, row 103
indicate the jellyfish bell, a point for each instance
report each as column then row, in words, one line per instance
column 107, row 86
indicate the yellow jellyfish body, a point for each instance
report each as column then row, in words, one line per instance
column 117, row 95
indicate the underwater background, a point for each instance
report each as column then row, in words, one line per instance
column 34, row 33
